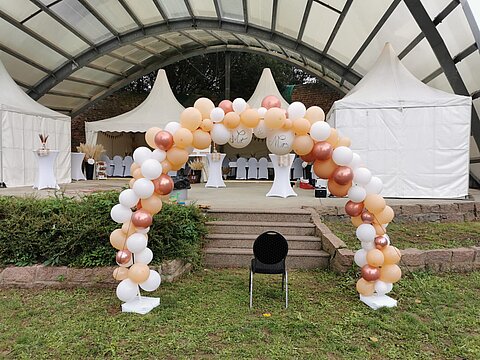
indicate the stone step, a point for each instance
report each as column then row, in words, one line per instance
column 251, row 227
column 295, row 242
column 276, row 215
column 242, row 257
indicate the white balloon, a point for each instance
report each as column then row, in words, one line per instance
column 127, row 290
column 151, row 169
column 342, row 155
column 137, row 242
column 261, row 131
column 320, row 131
column 262, row 111
column 296, row 110
column 362, row 176
column 368, row 245
column 356, row 161
column 239, row 105
column 357, row 193
column 120, row 213
column 217, row 115
column 240, row 137
column 374, row 186
column 159, row 155
column 280, row 142
column 141, row 154
column 382, row 288
column 366, row 232
column 143, row 188
column 128, row 198
column 360, row 257
column 172, row 127
column 143, row 230
column 144, row 257
column 153, row 281
column 220, row 134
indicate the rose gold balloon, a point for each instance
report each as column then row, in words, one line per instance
column 322, row 150
column 123, row 257
column 353, row 209
column 164, row 140
column 142, row 219
column 310, row 157
column 271, row 101
column 380, row 242
column 342, row 175
column 370, row 273
column 163, row 185
column 226, row 106
column 367, row 217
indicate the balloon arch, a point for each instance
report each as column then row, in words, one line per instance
column 299, row 129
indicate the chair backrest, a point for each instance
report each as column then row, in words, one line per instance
column 241, row 168
column 297, row 168
column 263, row 168
column 127, row 162
column 270, row 247
column 252, row 168
column 118, row 166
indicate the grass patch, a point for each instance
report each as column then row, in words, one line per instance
column 423, row 236
column 206, row 315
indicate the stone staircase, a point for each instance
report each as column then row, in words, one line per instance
column 232, row 233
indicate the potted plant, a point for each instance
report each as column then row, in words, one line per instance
column 92, row 154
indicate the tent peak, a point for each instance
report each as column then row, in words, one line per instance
column 266, row 86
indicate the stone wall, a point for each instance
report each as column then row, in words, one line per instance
column 60, row 277
column 316, row 94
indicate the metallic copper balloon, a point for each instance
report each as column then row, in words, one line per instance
column 380, row 242
column 142, row 219
column 370, row 273
column 226, row 106
column 322, row 151
column 368, row 217
column 271, row 101
column 309, row 157
column 342, row 175
column 123, row 257
column 353, row 208
column 163, row 140
column 163, row 185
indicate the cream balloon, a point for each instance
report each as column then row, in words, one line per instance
column 205, row 106
column 239, row 105
column 217, row 115
column 280, row 142
column 296, row 110
column 240, row 137
column 172, row 127
column 261, row 131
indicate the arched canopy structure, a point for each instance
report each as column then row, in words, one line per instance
column 70, row 53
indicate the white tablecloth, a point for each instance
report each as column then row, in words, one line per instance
column 215, row 178
column 77, row 160
column 281, row 182
column 233, row 164
column 45, row 176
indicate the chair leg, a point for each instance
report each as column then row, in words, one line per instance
column 251, row 289
column 286, row 289
column 283, row 282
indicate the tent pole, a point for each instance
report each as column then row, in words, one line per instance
column 2, row 183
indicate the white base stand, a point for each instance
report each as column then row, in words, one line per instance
column 141, row 305
column 281, row 182
column 378, row 301
column 215, row 179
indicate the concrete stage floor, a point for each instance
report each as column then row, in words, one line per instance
column 237, row 195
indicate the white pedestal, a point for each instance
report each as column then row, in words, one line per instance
column 77, row 160
column 45, row 177
column 378, row 301
column 281, row 182
column 215, row 178
column 141, row 305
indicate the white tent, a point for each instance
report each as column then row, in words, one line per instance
column 23, row 119
column 414, row 137
column 266, row 86
column 158, row 109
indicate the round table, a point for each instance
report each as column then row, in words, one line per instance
column 215, row 178
column 45, row 177
column 77, row 160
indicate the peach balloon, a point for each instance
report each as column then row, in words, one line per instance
column 120, row 273
column 163, row 185
column 123, row 257
column 274, row 118
column 353, row 209
column 166, row 166
column 131, row 182
column 333, row 138
column 150, row 136
column 271, row 101
column 356, row 221
column 365, row 288
column 344, row 141
column 314, row 114
column 324, row 168
column 128, row 228
column 133, row 167
column 118, row 239
column 301, row 126
column 201, row 139
column 390, row 273
column 386, row 215
column 231, row 120
column 183, row 138
column 287, row 125
column 375, row 257
column 250, row 118
column 153, row 204
column 164, row 140
column 226, row 106
column 302, row 145
column 139, row 273
column 322, row 150
column 177, row 157
column 379, row 230
column 374, row 203
column 337, row 189
column 342, row 175
column 207, row 125
column 137, row 173
column 380, row 242
column 205, row 106
column 176, row 167
column 191, row 118
column 142, row 218
column 392, row 255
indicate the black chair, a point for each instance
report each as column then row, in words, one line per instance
column 270, row 250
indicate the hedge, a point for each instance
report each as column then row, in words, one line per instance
column 75, row 232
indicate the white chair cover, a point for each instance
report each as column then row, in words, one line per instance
column 297, row 168
column 109, row 163
column 118, row 166
column 252, row 168
column 241, row 169
column 127, row 162
column 263, row 168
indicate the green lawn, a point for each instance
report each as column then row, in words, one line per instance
column 416, row 235
column 206, row 315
